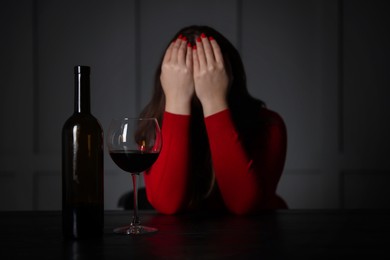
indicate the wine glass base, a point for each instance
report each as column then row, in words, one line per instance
column 135, row 230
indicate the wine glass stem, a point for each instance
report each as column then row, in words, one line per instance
column 135, row 221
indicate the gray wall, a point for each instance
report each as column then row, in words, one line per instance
column 320, row 64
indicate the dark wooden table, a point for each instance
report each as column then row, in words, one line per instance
column 307, row 234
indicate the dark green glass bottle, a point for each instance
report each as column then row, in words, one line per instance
column 82, row 166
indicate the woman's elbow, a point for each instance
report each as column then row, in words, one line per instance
column 167, row 209
column 242, row 210
column 244, row 205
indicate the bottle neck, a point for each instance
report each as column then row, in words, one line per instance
column 82, row 93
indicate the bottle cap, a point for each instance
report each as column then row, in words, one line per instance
column 82, row 69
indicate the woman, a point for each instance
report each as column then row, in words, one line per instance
column 222, row 148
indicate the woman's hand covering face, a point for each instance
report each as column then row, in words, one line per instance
column 210, row 77
column 177, row 77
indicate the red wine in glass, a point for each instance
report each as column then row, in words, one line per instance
column 133, row 161
column 134, row 144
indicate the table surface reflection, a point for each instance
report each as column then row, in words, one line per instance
column 311, row 234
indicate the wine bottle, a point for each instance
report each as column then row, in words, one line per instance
column 82, row 166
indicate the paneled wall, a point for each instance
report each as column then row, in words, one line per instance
column 319, row 64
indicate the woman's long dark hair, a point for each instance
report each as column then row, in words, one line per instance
column 241, row 104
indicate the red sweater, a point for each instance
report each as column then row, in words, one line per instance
column 246, row 180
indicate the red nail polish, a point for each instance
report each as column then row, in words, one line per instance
column 194, row 47
column 211, row 38
column 203, row 35
column 189, row 45
column 180, row 36
column 198, row 39
column 184, row 38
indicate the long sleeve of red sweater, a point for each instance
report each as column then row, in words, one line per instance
column 247, row 180
column 166, row 181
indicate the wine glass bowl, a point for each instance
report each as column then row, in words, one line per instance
column 134, row 144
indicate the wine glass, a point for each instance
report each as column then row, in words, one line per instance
column 134, row 144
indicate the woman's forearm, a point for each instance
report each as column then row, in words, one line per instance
column 166, row 181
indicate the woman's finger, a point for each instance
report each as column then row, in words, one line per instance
column 175, row 49
column 207, row 50
column 216, row 50
column 195, row 60
column 181, row 53
column 168, row 53
column 189, row 56
column 200, row 53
